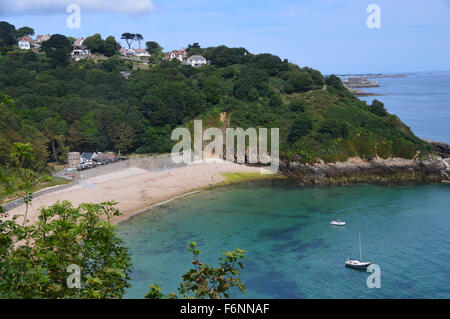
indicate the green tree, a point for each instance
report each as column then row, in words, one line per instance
column 194, row 48
column 30, row 56
column 34, row 259
column 317, row 77
column 301, row 127
column 57, row 48
column 223, row 56
column 110, row 46
column 297, row 105
column 129, row 38
column 204, row 281
column 155, row 50
column 299, row 82
column 121, row 137
column 22, row 154
column 55, row 129
column 335, row 82
column 334, row 128
column 139, row 38
column 94, row 43
column 378, row 108
column 24, row 31
column 7, row 34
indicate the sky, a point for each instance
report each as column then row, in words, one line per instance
column 329, row 35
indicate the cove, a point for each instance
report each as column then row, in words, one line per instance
column 292, row 250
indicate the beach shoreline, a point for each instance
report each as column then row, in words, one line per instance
column 136, row 190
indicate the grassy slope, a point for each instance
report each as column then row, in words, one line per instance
column 369, row 135
column 12, row 184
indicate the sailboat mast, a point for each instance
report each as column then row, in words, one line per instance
column 360, row 253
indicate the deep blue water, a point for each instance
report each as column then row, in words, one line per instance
column 293, row 252
column 421, row 100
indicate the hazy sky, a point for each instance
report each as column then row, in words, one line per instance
column 330, row 35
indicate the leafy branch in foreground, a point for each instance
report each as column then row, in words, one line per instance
column 34, row 259
column 204, row 281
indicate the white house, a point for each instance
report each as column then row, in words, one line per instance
column 125, row 52
column 196, row 61
column 80, row 52
column 87, row 158
column 41, row 38
column 25, row 43
column 180, row 55
column 78, row 42
column 142, row 53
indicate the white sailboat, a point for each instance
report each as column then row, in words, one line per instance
column 337, row 223
column 357, row 263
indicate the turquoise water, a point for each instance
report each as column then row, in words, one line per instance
column 293, row 252
column 421, row 100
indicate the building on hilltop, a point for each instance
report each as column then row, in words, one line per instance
column 125, row 52
column 180, row 55
column 41, row 38
column 80, row 52
column 26, row 43
column 142, row 53
column 197, row 61
column 78, row 42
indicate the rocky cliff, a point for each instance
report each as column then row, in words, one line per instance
column 442, row 149
column 378, row 170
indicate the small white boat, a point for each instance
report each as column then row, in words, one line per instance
column 337, row 223
column 357, row 263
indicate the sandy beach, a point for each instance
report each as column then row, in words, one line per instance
column 136, row 189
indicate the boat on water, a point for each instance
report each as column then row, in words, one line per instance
column 357, row 263
column 337, row 223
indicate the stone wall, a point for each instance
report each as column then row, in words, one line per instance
column 16, row 203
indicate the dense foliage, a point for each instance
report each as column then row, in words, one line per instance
column 204, row 281
column 35, row 259
column 89, row 106
column 107, row 47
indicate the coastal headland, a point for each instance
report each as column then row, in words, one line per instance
column 377, row 170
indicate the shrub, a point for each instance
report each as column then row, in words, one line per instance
column 301, row 127
column 299, row 82
column 334, row 128
column 377, row 108
column 297, row 105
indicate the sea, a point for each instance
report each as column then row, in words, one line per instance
column 292, row 250
column 421, row 100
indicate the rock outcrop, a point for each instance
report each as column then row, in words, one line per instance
column 377, row 170
column 442, row 149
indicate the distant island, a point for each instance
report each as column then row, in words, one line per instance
column 376, row 75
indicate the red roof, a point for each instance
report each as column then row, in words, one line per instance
column 26, row 39
column 78, row 41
